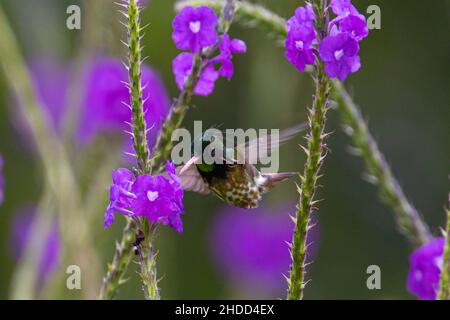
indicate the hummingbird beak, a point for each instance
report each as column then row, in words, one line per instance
column 191, row 161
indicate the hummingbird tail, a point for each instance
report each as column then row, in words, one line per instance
column 273, row 179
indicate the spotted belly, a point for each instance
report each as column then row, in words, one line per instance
column 237, row 189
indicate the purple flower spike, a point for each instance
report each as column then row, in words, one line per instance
column 425, row 265
column 340, row 54
column 120, row 196
column 182, row 68
column 227, row 48
column 2, row 182
column 49, row 258
column 340, row 7
column 195, row 28
column 159, row 199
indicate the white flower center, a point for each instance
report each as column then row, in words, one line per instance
column 418, row 275
column 299, row 44
column 152, row 195
column 338, row 54
column 195, row 26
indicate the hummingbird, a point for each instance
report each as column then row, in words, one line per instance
column 238, row 183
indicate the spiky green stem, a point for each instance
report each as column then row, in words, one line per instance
column 161, row 151
column 408, row 218
column 444, row 291
column 315, row 154
column 139, row 125
column 119, row 265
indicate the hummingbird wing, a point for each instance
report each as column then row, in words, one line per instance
column 264, row 146
column 191, row 180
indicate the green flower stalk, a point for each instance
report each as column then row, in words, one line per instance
column 115, row 275
column 161, row 151
column 444, row 291
column 138, row 124
column 408, row 218
column 143, row 246
column 315, row 153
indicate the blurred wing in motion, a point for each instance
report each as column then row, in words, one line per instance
column 191, row 179
column 267, row 146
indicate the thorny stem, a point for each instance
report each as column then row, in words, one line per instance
column 315, row 153
column 409, row 220
column 138, row 124
column 118, row 267
column 139, row 128
column 444, row 291
column 160, row 152
column 163, row 145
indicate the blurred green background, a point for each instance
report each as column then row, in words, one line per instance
column 403, row 91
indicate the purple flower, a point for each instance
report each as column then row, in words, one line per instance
column 340, row 54
column 299, row 49
column 182, row 68
column 2, row 182
column 158, row 198
column 195, row 28
column 340, row 7
column 250, row 248
column 22, row 229
column 425, row 265
column 120, row 196
column 354, row 24
column 304, row 16
column 301, row 36
column 104, row 108
column 227, row 48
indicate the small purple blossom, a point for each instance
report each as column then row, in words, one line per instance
column 251, row 250
column 182, row 68
column 304, row 16
column 159, row 199
column 301, row 36
column 425, row 265
column 229, row 47
column 340, row 7
column 195, row 28
column 2, row 182
column 119, row 195
column 340, row 54
column 299, row 50
column 353, row 24
column 22, row 229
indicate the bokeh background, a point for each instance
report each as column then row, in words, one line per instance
column 402, row 88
